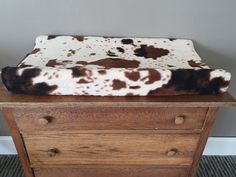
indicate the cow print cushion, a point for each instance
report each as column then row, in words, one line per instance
column 107, row 66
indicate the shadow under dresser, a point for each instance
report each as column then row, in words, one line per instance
column 82, row 136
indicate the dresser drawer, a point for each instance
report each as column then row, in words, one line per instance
column 111, row 171
column 118, row 149
column 109, row 118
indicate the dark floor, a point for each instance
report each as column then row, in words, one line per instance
column 217, row 166
column 210, row 166
column 10, row 166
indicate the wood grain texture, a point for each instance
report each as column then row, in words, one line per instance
column 8, row 99
column 115, row 149
column 210, row 118
column 19, row 143
column 111, row 171
column 44, row 119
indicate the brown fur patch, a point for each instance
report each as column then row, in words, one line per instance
column 102, row 72
column 23, row 65
column 66, row 61
column 112, row 63
column 53, row 63
column 120, row 49
column 71, row 52
column 127, row 41
column 193, row 63
column 135, row 87
column 134, row 76
column 83, row 81
column 111, row 54
column 150, row 52
column 79, row 38
column 152, row 77
column 36, row 50
column 118, row 84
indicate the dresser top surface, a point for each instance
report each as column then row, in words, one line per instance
column 8, row 99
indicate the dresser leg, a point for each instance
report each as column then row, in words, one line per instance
column 210, row 117
column 15, row 133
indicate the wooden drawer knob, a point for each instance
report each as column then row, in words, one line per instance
column 43, row 121
column 52, row 152
column 172, row 152
column 179, row 120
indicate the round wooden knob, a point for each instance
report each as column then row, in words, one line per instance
column 52, row 152
column 43, row 121
column 172, row 152
column 179, row 120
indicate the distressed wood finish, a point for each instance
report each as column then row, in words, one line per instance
column 112, row 118
column 210, row 117
column 115, row 149
column 110, row 136
column 19, row 142
column 111, row 171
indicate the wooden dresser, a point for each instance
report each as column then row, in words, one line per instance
column 72, row 136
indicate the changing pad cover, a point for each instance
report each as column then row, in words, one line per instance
column 108, row 66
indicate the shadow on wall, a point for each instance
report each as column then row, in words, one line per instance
column 3, row 126
column 225, row 123
column 12, row 52
column 8, row 58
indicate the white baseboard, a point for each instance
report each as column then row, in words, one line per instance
column 220, row 146
column 215, row 146
column 6, row 145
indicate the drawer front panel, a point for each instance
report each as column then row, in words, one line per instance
column 110, row 119
column 118, row 149
column 111, row 171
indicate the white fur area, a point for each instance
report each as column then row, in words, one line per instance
column 100, row 84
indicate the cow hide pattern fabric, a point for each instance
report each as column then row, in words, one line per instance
column 111, row 66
